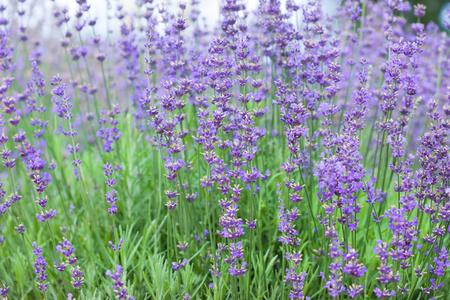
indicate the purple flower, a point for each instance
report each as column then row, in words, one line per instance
column 179, row 265
column 191, row 197
column 63, row 105
column 355, row 290
column 42, row 201
column 251, row 224
column 59, row 266
column 237, row 254
column 297, row 281
column 171, row 205
column 441, row 262
column 113, row 247
column 47, row 216
column 215, row 270
column 20, row 228
column 180, row 24
column 110, row 195
column 77, row 277
column 352, row 267
column 109, row 132
column 182, row 246
column 119, row 286
column 419, row 10
column 4, row 291
column 40, row 266
column 236, row 270
column 109, row 170
column 381, row 294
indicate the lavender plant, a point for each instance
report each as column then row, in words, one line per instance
column 282, row 152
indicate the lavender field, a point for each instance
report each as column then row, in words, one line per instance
column 291, row 151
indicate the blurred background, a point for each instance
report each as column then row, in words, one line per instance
column 436, row 11
column 39, row 12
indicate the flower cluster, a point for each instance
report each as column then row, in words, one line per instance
column 4, row 291
column 109, row 135
column 66, row 249
column 119, row 286
column 40, row 266
column 280, row 151
column 47, row 216
column 111, row 197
